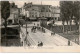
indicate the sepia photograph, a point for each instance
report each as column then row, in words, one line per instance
column 39, row 24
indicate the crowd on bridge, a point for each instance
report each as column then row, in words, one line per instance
column 34, row 29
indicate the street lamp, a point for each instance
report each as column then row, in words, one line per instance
column 26, row 26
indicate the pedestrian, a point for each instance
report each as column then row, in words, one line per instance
column 38, row 43
column 21, row 43
column 29, row 44
column 41, row 43
column 34, row 23
column 27, row 32
column 38, row 28
column 37, row 24
column 22, row 24
column 32, row 29
column 75, row 40
column 42, row 28
column 51, row 33
column 68, row 42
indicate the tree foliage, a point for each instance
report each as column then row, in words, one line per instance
column 76, row 10
column 5, row 9
column 69, row 9
column 5, row 12
column 66, row 10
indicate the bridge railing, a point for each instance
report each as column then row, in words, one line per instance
column 23, row 36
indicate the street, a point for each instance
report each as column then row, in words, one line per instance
column 46, row 38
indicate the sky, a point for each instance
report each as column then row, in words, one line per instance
column 44, row 2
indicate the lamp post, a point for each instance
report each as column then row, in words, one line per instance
column 26, row 26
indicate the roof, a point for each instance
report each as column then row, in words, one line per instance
column 45, row 9
column 14, row 10
column 42, row 8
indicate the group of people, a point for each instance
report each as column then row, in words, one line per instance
column 40, row 43
column 33, row 29
column 41, row 29
column 52, row 33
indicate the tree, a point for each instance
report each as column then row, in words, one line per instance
column 76, row 12
column 71, row 12
column 5, row 12
column 63, row 13
column 66, row 12
column 70, row 9
column 77, row 15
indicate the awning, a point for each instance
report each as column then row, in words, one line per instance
column 32, row 18
column 43, row 18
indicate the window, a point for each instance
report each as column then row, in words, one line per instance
column 35, row 12
column 48, row 15
column 9, row 21
column 35, row 15
column 32, row 15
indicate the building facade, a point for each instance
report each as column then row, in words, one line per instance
column 14, row 13
column 34, row 11
column 56, row 13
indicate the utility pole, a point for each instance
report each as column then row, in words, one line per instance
column 26, row 28
column 25, row 40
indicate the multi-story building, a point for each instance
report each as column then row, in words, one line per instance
column 30, row 11
column 34, row 11
column 13, row 14
column 45, row 11
column 56, row 12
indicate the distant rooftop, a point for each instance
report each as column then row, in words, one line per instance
column 42, row 8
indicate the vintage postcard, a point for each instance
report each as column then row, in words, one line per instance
column 40, row 26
